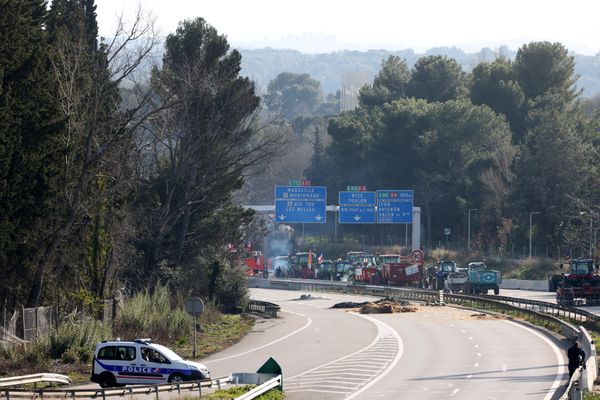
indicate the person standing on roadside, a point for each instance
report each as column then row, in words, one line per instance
column 576, row 357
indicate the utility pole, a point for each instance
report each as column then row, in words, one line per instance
column 530, row 228
column 469, row 228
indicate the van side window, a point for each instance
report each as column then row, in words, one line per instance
column 157, row 357
column 107, row 353
column 126, row 353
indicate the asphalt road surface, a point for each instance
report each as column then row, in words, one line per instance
column 434, row 353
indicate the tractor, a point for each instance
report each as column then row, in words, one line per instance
column 581, row 285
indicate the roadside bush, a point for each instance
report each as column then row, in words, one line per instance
column 73, row 341
column 153, row 315
column 536, row 268
column 444, row 254
column 77, row 337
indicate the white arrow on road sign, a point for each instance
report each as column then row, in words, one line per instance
column 282, row 217
column 357, row 218
column 318, row 218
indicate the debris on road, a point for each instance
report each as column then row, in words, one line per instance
column 383, row 306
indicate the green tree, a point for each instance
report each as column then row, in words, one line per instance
column 391, row 83
column 94, row 146
column 456, row 156
column 203, row 143
column 315, row 171
column 543, row 66
column 28, row 149
column 555, row 166
column 495, row 85
column 436, row 78
column 293, row 95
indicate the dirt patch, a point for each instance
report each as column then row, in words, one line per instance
column 383, row 306
column 386, row 307
column 349, row 304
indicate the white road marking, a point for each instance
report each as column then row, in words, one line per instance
column 382, row 327
column 463, row 331
column 454, row 392
column 478, row 354
column 503, row 367
column 476, row 365
column 476, row 345
column 363, row 368
column 559, row 360
column 471, row 338
column 308, row 323
column 312, row 390
column 469, row 376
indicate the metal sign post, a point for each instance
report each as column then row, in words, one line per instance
column 194, row 306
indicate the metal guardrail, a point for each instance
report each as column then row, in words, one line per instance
column 264, row 307
column 148, row 390
column 574, row 391
column 34, row 379
column 261, row 389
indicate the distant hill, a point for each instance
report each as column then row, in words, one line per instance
column 262, row 65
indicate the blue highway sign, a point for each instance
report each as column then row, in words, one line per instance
column 300, row 204
column 357, row 208
column 394, row 206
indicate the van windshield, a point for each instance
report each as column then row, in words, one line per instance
column 170, row 354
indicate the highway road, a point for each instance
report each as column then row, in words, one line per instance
column 434, row 353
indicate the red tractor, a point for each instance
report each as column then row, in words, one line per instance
column 404, row 272
column 581, row 285
column 255, row 264
column 303, row 265
column 366, row 269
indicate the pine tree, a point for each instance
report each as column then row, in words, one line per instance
column 28, row 125
column 315, row 170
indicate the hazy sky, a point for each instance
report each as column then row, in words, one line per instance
column 325, row 25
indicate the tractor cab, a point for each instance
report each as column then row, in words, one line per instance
column 355, row 256
column 477, row 266
column 344, row 270
column 582, row 266
column 447, row 267
column 389, row 259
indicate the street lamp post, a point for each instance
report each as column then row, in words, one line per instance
column 469, row 228
column 591, row 230
column 595, row 241
column 530, row 220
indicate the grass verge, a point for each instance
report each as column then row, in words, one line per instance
column 225, row 331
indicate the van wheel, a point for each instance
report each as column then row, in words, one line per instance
column 176, row 378
column 107, row 380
